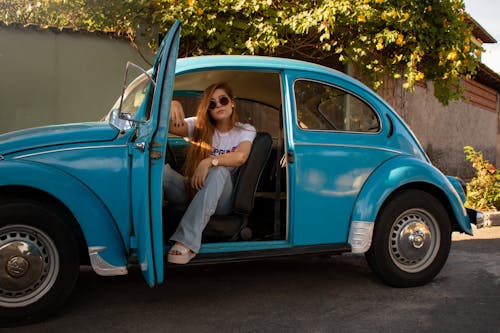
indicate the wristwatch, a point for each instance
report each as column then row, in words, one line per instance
column 215, row 162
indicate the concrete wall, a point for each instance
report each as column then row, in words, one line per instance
column 50, row 77
column 443, row 131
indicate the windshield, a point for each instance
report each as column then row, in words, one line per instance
column 133, row 96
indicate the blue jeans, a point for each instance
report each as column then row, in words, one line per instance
column 215, row 197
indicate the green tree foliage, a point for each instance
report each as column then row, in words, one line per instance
column 126, row 18
column 412, row 39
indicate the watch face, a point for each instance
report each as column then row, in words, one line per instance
column 215, row 162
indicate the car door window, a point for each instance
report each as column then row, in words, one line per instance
column 264, row 118
column 324, row 107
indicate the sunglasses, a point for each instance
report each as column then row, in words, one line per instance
column 223, row 100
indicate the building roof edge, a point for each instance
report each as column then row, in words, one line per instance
column 479, row 32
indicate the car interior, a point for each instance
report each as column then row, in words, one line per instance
column 260, row 205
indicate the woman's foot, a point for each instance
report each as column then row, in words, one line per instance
column 180, row 254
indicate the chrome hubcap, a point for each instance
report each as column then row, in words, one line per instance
column 414, row 240
column 29, row 264
column 17, row 266
column 417, row 239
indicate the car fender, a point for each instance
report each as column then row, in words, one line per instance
column 395, row 173
column 106, row 247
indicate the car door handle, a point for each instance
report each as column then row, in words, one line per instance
column 140, row 145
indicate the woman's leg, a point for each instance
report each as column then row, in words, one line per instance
column 175, row 200
column 216, row 196
column 174, row 189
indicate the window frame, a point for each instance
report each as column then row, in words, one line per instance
column 351, row 93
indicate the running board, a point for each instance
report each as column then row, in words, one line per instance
column 222, row 257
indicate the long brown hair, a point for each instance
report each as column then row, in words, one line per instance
column 201, row 141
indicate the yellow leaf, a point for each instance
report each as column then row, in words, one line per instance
column 361, row 18
column 420, row 76
column 452, row 55
column 200, row 11
column 400, row 41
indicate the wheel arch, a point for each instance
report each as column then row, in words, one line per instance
column 398, row 174
column 431, row 189
column 33, row 194
column 95, row 223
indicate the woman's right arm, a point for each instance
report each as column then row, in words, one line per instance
column 177, row 124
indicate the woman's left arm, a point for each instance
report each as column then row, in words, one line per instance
column 236, row 158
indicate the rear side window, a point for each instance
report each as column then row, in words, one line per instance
column 324, row 107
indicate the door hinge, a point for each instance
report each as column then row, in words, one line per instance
column 155, row 155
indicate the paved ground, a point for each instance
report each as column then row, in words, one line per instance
column 307, row 294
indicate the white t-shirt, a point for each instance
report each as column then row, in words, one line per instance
column 226, row 142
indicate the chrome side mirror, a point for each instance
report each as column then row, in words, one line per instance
column 120, row 121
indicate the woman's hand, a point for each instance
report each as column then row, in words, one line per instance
column 200, row 174
column 176, row 113
column 177, row 123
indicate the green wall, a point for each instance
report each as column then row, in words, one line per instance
column 53, row 77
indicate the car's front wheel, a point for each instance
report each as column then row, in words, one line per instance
column 411, row 240
column 39, row 261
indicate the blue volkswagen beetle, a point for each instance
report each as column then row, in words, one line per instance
column 333, row 169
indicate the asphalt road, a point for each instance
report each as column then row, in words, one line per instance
column 306, row 294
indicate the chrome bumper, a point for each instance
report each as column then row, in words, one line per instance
column 479, row 220
column 475, row 217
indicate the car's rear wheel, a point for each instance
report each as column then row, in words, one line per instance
column 411, row 241
column 39, row 261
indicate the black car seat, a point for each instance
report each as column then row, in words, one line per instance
column 235, row 225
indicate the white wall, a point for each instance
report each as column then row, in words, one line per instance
column 443, row 131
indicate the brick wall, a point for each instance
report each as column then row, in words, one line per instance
column 480, row 95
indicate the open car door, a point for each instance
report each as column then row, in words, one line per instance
column 148, row 158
